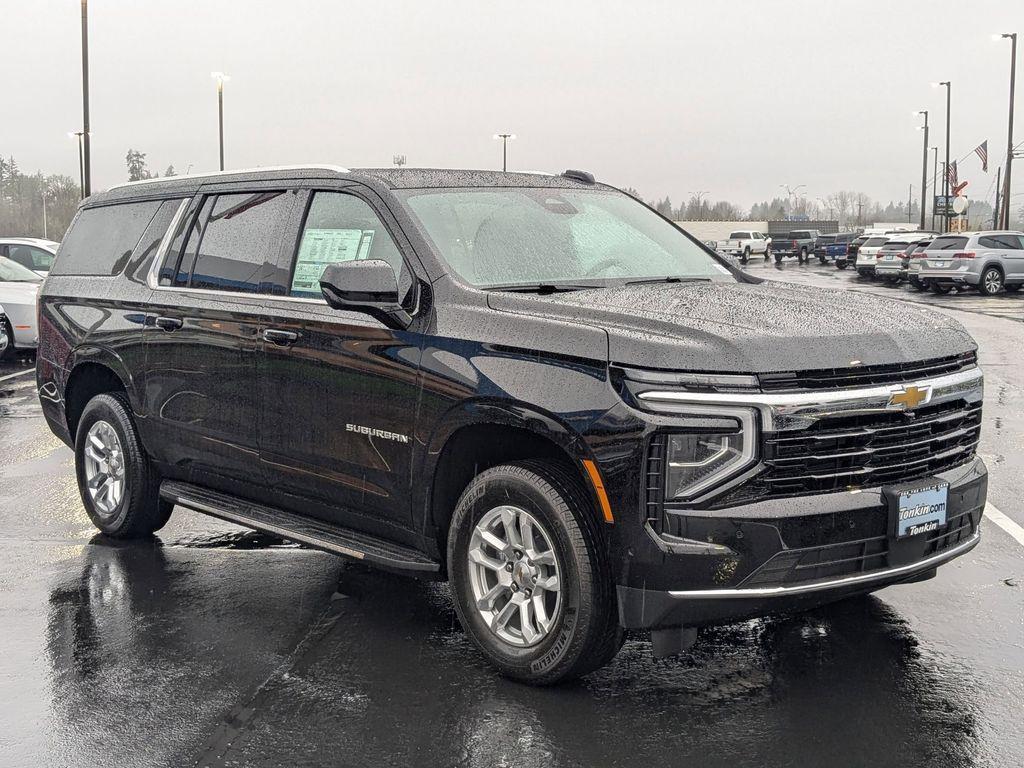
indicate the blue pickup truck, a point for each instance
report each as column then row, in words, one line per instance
column 842, row 250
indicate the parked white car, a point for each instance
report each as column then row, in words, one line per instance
column 745, row 243
column 35, row 253
column 19, row 287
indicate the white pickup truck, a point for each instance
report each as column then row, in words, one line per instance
column 746, row 243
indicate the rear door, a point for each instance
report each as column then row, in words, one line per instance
column 203, row 336
column 339, row 389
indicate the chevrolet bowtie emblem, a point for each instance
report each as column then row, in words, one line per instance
column 910, row 397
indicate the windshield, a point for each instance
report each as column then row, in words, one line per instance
column 894, row 245
column 13, row 272
column 538, row 236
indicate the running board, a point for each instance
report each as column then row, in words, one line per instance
column 314, row 533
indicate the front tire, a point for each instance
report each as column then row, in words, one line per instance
column 118, row 485
column 532, row 586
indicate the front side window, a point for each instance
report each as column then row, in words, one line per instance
column 31, row 257
column 528, row 237
column 235, row 242
column 342, row 227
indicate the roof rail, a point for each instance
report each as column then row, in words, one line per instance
column 309, row 167
column 582, row 176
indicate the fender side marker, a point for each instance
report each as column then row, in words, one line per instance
column 602, row 497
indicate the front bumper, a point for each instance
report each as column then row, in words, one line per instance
column 774, row 542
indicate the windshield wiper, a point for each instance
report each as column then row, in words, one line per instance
column 541, row 288
column 670, row 279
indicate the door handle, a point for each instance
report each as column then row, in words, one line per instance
column 169, row 323
column 279, row 337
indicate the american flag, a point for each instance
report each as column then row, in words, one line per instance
column 951, row 174
column 982, row 152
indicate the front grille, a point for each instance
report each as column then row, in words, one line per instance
column 846, row 558
column 866, row 375
column 843, row 452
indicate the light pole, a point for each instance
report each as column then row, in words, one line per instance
column 699, row 197
column 86, row 163
column 935, row 179
column 791, row 193
column 945, row 176
column 81, row 163
column 924, row 162
column 505, row 138
column 42, row 194
column 221, row 78
column 1009, row 131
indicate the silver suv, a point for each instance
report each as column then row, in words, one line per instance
column 989, row 261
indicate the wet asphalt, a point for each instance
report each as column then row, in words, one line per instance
column 213, row 645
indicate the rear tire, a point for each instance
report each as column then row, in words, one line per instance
column 119, row 487
column 576, row 633
column 991, row 281
column 841, row 265
column 767, row 255
column 939, row 289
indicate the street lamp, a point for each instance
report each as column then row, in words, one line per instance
column 700, row 202
column 81, row 161
column 791, row 193
column 221, row 78
column 945, row 176
column 86, row 154
column 1009, row 132
column 505, row 138
column 935, row 179
column 924, row 162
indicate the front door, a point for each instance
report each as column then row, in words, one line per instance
column 339, row 391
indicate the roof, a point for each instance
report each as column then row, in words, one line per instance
column 391, row 178
column 430, row 178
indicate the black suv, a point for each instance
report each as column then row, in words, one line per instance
column 533, row 386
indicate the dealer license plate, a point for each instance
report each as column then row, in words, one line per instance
column 918, row 510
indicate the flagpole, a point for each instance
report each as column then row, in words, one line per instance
column 997, row 212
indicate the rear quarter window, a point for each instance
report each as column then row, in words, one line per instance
column 101, row 239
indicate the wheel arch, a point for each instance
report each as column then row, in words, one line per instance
column 476, row 437
column 92, row 372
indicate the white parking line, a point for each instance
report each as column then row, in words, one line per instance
column 1005, row 523
column 19, row 373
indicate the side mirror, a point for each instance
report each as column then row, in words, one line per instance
column 365, row 286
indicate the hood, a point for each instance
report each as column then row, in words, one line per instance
column 749, row 328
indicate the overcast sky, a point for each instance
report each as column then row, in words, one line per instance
column 734, row 98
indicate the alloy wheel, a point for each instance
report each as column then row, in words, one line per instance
column 104, row 468
column 515, row 576
column 993, row 281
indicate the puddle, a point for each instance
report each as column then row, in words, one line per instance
column 234, row 540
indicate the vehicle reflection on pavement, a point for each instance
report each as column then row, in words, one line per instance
column 384, row 675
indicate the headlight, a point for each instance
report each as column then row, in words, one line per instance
column 695, row 462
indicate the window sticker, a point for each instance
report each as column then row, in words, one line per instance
column 321, row 247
